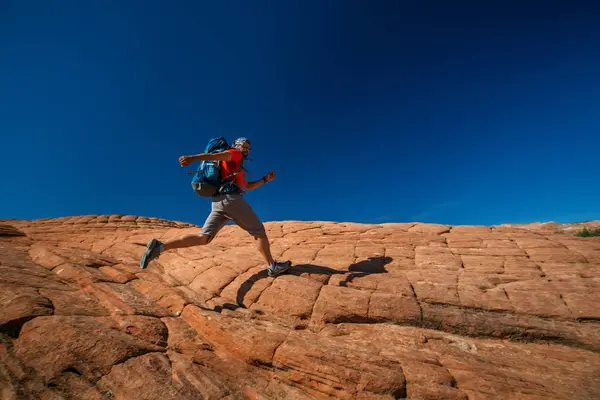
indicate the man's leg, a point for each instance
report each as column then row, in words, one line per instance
column 265, row 248
column 214, row 223
column 187, row 241
column 244, row 216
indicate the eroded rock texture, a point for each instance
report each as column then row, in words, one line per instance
column 369, row 311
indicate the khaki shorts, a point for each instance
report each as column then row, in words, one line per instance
column 232, row 207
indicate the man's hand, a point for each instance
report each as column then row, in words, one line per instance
column 185, row 161
column 270, row 176
column 256, row 184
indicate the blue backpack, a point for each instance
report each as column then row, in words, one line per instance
column 207, row 181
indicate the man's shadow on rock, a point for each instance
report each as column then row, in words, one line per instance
column 374, row 265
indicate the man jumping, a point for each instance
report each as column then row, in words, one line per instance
column 226, row 205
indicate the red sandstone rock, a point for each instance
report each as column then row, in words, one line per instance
column 53, row 345
column 9, row 230
column 386, row 311
column 148, row 376
column 20, row 305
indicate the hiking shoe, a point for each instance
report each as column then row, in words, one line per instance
column 279, row 267
column 152, row 252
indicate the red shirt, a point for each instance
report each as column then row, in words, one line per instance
column 230, row 167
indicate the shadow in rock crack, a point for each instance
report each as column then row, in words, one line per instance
column 373, row 265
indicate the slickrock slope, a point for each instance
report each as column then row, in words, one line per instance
column 369, row 312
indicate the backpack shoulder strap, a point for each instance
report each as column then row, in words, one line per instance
column 240, row 169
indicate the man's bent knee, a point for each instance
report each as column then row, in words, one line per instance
column 206, row 238
column 259, row 235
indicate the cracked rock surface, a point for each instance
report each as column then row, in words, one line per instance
column 416, row 311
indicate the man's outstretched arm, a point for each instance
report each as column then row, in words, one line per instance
column 223, row 156
column 256, row 184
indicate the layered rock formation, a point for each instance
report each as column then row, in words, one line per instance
column 369, row 311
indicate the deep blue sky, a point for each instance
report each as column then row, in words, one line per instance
column 369, row 111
